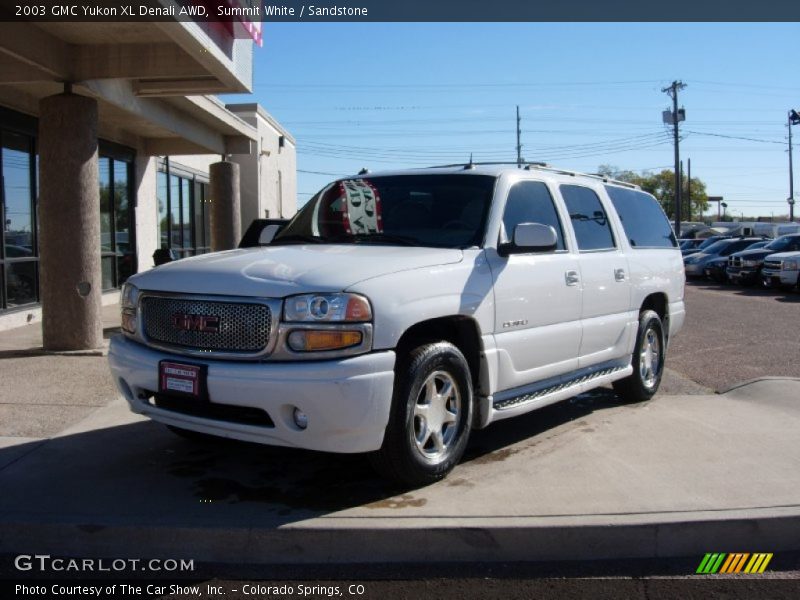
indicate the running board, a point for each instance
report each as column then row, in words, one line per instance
column 521, row 400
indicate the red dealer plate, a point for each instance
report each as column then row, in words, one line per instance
column 181, row 379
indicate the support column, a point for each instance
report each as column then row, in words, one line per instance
column 69, row 223
column 226, row 214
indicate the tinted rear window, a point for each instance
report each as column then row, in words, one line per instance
column 589, row 219
column 645, row 224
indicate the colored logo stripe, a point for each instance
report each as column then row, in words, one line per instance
column 721, row 562
column 734, row 563
column 758, row 563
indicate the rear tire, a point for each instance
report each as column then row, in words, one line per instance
column 431, row 416
column 647, row 361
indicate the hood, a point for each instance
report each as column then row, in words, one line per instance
column 279, row 271
column 754, row 254
column 782, row 255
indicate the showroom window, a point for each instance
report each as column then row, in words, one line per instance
column 117, row 244
column 19, row 262
column 184, row 214
column 19, row 247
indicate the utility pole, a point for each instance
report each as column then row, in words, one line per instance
column 672, row 91
column 519, row 145
column 793, row 119
column 689, row 189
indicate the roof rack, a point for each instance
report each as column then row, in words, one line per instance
column 542, row 166
column 476, row 163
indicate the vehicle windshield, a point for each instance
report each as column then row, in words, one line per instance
column 716, row 247
column 757, row 245
column 779, row 244
column 710, row 241
column 443, row 211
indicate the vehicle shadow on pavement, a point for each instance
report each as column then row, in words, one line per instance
column 140, row 472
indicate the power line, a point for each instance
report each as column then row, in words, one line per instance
column 735, row 137
column 318, row 173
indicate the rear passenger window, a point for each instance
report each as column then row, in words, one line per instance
column 589, row 219
column 531, row 202
column 645, row 224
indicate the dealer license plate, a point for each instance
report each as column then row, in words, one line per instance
column 181, row 379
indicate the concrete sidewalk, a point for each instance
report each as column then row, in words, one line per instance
column 588, row 478
column 44, row 393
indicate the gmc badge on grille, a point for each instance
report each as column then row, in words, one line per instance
column 204, row 323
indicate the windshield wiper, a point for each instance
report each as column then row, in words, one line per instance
column 296, row 238
column 387, row 238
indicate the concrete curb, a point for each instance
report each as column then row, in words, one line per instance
column 753, row 381
column 429, row 541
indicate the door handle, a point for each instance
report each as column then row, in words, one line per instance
column 572, row 277
column 619, row 274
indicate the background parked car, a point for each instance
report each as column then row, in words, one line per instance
column 704, row 244
column 689, row 246
column 715, row 269
column 695, row 264
column 782, row 270
column 745, row 267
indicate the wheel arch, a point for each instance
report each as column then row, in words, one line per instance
column 461, row 331
column 659, row 303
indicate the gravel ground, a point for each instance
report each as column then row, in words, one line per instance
column 734, row 334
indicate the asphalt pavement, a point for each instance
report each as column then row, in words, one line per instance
column 689, row 472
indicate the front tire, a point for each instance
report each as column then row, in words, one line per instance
column 431, row 416
column 647, row 361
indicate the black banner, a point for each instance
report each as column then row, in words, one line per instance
column 398, row 10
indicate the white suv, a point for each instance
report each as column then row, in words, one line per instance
column 398, row 311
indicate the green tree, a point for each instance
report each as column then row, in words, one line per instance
column 662, row 186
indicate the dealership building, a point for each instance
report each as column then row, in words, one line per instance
column 113, row 144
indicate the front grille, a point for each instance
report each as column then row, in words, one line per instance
column 772, row 265
column 241, row 327
column 734, row 261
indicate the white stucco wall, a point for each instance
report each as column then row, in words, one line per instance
column 269, row 177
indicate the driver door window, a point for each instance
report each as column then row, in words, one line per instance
column 531, row 202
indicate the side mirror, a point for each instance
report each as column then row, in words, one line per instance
column 530, row 237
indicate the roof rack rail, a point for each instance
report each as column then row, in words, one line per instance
column 542, row 166
column 478, row 163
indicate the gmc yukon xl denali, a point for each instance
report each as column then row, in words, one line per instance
column 398, row 311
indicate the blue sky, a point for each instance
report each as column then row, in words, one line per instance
column 386, row 95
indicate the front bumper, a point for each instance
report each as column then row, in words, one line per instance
column 347, row 400
column 773, row 278
column 743, row 274
column 695, row 269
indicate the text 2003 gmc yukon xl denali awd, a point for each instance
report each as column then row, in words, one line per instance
column 398, row 311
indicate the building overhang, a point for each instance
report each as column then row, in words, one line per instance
column 149, row 78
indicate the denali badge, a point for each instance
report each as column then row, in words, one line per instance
column 204, row 323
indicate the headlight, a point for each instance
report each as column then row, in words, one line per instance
column 750, row 263
column 790, row 265
column 327, row 308
column 130, row 295
column 127, row 303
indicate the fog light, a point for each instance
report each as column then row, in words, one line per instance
column 315, row 340
column 300, row 418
